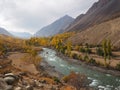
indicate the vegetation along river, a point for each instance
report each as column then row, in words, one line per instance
column 100, row 81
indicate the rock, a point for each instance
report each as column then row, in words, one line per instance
column 9, row 80
column 9, row 87
column 3, row 84
column 41, row 85
column 29, row 87
column 1, row 67
column 18, row 88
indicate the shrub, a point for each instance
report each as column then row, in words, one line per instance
column 88, row 50
column 77, row 48
column 99, row 51
column 86, row 58
column 76, row 80
column 56, row 80
column 118, row 66
column 79, row 57
column 82, row 50
column 92, row 61
column 74, row 55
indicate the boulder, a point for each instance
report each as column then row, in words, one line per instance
column 29, row 87
column 18, row 88
column 10, row 78
column 3, row 84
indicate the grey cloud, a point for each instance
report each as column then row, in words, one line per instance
column 31, row 15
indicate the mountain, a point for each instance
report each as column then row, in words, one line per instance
column 56, row 27
column 24, row 35
column 4, row 32
column 101, row 11
column 96, row 34
column 102, row 21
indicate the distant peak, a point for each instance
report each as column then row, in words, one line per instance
column 67, row 16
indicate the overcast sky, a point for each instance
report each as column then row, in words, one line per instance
column 32, row 15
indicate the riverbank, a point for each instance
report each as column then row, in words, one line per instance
column 93, row 67
column 50, row 69
column 16, row 74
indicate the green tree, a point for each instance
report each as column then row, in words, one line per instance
column 69, row 47
column 105, row 50
column 109, row 50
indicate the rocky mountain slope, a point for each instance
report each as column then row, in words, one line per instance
column 101, row 11
column 4, row 32
column 56, row 27
column 96, row 34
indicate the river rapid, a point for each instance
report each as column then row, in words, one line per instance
column 100, row 81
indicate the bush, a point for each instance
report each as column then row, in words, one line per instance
column 77, row 48
column 92, row 61
column 99, row 51
column 88, row 50
column 76, row 80
column 79, row 57
column 56, row 80
column 74, row 55
column 82, row 50
column 118, row 66
column 86, row 58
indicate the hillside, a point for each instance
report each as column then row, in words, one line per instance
column 101, row 11
column 5, row 32
column 96, row 34
column 56, row 27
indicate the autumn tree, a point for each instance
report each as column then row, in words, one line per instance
column 107, row 50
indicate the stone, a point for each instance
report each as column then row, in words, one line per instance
column 18, row 88
column 3, row 84
column 9, row 87
column 1, row 67
column 9, row 80
column 29, row 87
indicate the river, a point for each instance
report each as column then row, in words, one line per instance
column 100, row 81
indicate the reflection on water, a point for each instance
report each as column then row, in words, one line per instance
column 100, row 80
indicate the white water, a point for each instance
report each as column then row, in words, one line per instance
column 100, row 81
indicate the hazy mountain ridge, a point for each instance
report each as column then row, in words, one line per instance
column 56, row 27
column 4, row 32
column 101, row 11
column 25, row 35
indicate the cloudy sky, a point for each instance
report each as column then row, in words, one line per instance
column 31, row 15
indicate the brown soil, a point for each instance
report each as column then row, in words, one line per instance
column 17, row 62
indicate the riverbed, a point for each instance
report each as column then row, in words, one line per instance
column 100, row 81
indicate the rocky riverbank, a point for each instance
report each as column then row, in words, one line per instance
column 93, row 67
column 15, row 74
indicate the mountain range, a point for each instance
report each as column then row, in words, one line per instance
column 4, row 32
column 56, row 27
column 101, row 11
column 102, row 21
column 24, row 35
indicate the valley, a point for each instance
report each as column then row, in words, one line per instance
column 61, row 52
